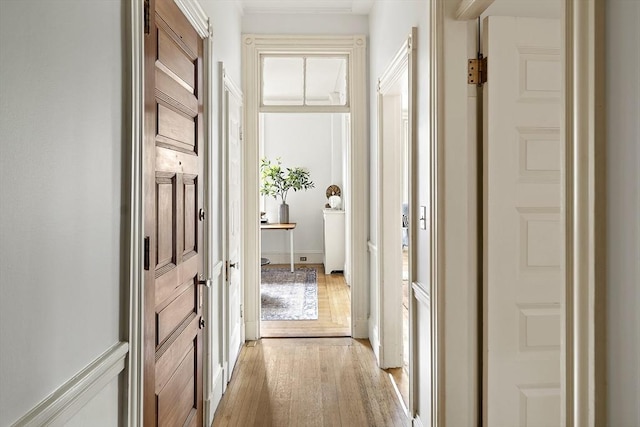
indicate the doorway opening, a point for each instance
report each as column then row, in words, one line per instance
column 303, row 289
column 305, row 92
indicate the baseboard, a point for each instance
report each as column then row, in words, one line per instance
column 417, row 422
column 61, row 405
column 251, row 330
column 347, row 277
column 313, row 257
column 361, row 328
column 212, row 401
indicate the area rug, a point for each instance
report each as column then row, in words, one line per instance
column 289, row 296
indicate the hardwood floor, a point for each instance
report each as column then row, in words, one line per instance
column 309, row 382
column 334, row 311
column 401, row 379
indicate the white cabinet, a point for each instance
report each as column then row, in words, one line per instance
column 333, row 240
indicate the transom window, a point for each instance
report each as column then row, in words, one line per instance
column 304, row 80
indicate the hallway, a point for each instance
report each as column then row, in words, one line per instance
column 309, row 382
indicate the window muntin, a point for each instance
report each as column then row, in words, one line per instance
column 309, row 80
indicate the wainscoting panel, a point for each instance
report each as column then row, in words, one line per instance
column 423, row 347
column 103, row 410
column 61, row 405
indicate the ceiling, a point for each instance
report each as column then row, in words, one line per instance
column 354, row 7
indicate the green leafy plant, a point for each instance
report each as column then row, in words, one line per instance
column 278, row 180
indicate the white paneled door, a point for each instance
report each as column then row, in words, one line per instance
column 523, row 223
column 232, row 100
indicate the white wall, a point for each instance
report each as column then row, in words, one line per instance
column 61, row 221
column 623, row 213
column 226, row 19
column 304, row 140
column 300, row 23
column 390, row 24
column 338, row 150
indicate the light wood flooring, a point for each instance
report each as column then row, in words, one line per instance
column 309, row 382
column 334, row 311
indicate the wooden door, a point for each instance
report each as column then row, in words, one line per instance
column 233, row 140
column 523, row 223
column 174, row 220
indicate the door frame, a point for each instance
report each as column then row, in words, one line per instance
column 357, row 199
column 584, row 322
column 133, row 314
column 404, row 60
column 227, row 86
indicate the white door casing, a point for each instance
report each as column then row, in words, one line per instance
column 524, row 242
column 356, row 197
column 232, row 142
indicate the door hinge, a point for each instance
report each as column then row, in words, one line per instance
column 145, row 255
column 477, row 71
column 242, row 311
column 147, row 24
column 226, row 271
column 241, row 135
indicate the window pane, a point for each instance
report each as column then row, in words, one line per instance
column 326, row 81
column 282, row 81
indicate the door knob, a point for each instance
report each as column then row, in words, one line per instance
column 202, row 281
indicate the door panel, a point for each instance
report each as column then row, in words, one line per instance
column 170, row 55
column 233, row 139
column 176, row 129
column 190, row 236
column 173, row 198
column 523, row 235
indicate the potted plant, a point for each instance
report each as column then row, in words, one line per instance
column 278, row 180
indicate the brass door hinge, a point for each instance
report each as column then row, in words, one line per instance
column 477, row 71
